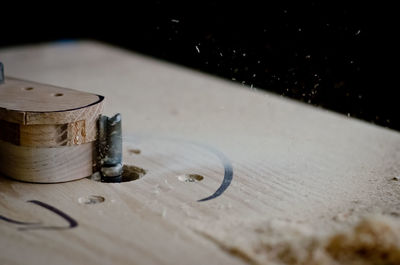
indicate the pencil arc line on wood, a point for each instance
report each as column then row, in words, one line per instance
column 72, row 223
column 226, row 163
column 13, row 221
column 228, row 172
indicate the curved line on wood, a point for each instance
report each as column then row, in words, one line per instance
column 228, row 172
column 12, row 221
column 228, row 167
column 72, row 223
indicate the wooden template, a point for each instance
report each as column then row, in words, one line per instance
column 47, row 133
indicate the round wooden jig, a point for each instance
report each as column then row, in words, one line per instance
column 47, row 133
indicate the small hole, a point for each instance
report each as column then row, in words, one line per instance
column 28, row 88
column 91, row 199
column 58, row 94
column 190, row 178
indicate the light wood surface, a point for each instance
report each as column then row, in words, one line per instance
column 292, row 164
column 27, row 96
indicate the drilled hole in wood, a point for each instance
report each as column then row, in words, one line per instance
column 58, row 94
column 190, row 178
column 129, row 173
column 91, row 199
column 27, row 88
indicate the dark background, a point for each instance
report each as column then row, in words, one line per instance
column 337, row 56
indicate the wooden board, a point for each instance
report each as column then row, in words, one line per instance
column 263, row 158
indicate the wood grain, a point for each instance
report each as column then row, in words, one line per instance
column 46, row 165
column 292, row 164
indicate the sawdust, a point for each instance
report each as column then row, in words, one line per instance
column 373, row 241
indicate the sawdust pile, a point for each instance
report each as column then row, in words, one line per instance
column 373, row 241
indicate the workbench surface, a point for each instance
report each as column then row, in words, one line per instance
column 222, row 163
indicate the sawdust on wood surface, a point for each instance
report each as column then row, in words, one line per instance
column 375, row 240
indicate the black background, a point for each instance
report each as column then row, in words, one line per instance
column 338, row 56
